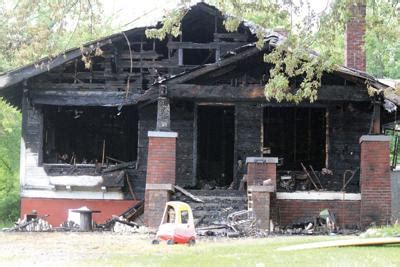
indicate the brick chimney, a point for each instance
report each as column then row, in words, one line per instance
column 354, row 37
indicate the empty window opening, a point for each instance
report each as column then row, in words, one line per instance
column 198, row 56
column 215, row 145
column 89, row 135
column 296, row 135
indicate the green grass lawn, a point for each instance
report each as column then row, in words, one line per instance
column 108, row 249
column 258, row 252
column 6, row 224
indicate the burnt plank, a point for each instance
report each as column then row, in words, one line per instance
column 83, row 98
column 256, row 92
column 212, row 45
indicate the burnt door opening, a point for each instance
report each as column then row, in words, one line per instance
column 215, row 145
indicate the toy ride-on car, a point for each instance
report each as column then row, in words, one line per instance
column 177, row 225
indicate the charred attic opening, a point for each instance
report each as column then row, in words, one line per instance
column 89, row 135
column 215, row 145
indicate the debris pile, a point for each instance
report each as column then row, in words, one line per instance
column 220, row 212
column 212, row 207
column 324, row 223
column 123, row 226
column 69, row 225
column 242, row 222
column 31, row 223
column 238, row 224
column 125, row 221
column 310, row 179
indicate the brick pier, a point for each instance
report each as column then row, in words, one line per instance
column 375, row 180
column 161, row 175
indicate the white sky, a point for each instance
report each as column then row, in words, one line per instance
column 143, row 12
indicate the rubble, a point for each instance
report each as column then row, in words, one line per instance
column 123, row 226
column 69, row 225
column 323, row 224
column 188, row 194
column 31, row 223
column 242, row 222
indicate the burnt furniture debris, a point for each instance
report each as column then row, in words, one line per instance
column 189, row 113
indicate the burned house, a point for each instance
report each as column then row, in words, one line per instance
column 148, row 114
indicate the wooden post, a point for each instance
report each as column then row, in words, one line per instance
column 163, row 111
column 376, row 119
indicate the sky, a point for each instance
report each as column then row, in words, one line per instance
column 135, row 13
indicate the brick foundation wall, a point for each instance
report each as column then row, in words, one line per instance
column 57, row 209
column 288, row 211
column 375, row 180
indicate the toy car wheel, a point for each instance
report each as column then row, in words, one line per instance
column 155, row 242
column 170, row 242
column 191, row 242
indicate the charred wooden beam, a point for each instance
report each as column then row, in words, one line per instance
column 162, row 64
column 255, row 92
column 212, row 45
column 209, row 68
column 97, row 75
column 140, row 55
column 68, row 86
column 109, row 86
column 239, row 37
column 83, row 98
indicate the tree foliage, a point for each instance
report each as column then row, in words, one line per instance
column 10, row 134
column 383, row 39
column 32, row 29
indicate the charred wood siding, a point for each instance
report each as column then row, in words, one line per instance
column 347, row 122
column 182, row 122
column 147, row 122
column 248, row 134
column 31, row 154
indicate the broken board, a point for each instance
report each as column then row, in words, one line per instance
column 344, row 243
column 188, row 194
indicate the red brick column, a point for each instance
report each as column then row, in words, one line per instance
column 260, row 204
column 260, row 169
column 375, row 180
column 160, row 177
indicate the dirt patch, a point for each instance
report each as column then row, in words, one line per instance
column 47, row 249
